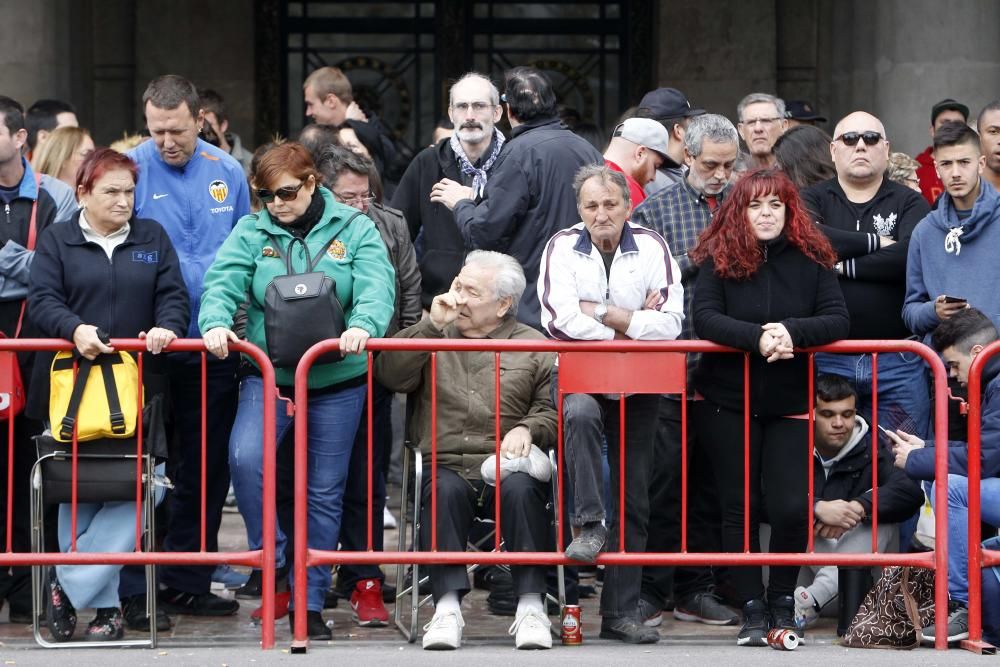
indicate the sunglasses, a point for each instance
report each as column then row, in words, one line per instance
column 287, row 193
column 870, row 138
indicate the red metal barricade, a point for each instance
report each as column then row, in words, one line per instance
column 263, row 559
column 613, row 379
column 978, row 557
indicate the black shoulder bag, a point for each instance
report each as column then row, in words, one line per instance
column 301, row 309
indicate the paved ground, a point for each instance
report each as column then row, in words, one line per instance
column 235, row 641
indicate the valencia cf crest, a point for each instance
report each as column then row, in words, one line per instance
column 219, row 190
column 337, row 249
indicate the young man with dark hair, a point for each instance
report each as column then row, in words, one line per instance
column 988, row 125
column 945, row 111
column 960, row 339
column 674, row 111
column 529, row 196
column 19, row 197
column 842, row 480
column 952, row 256
column 214, row 108
column 46, row 115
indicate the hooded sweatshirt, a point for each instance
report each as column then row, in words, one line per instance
column 848, row 476
column 954, row 257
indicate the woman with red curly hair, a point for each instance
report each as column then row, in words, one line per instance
column 765, row 285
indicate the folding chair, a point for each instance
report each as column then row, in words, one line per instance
column 106, row 472
column 409, row 629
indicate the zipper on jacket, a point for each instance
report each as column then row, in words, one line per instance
column 6, row 208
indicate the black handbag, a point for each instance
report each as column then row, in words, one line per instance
column 301, row 309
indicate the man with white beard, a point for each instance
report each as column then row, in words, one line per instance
column 467, row 158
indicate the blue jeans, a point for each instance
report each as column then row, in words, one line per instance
column 903, row 396
column 333, row 421
column 958, row 528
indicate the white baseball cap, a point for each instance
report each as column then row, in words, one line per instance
column 645, row 132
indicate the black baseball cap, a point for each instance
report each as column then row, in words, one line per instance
column 949, row 105
column 667, row 103
column 802, row 110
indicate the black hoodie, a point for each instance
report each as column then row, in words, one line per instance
column 873, row 280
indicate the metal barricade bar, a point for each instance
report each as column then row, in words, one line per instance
column 264, row 559
column 307, row 557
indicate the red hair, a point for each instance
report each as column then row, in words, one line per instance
column 101, row 161
column 731, row 242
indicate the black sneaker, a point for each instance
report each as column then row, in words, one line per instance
column 628, row 630
column 756, row 624
column 491, row 577
column 174, row 601
column 59, row 612
column 315, row 625
column 585, row 547
column 134, row 613
column 106, row 626
column 252, row 589
column 783, row 614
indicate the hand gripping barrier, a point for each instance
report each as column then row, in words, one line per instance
column 264, row 559
column 635, row 369
column 978, row 557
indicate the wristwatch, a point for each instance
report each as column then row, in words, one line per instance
column 600, row 311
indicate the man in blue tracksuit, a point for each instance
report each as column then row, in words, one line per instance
column 197, row 192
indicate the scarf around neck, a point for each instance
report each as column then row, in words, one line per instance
column 479, row 175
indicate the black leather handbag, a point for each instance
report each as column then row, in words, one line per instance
column 301, row 309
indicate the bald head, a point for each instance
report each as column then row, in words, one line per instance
column 864, row 162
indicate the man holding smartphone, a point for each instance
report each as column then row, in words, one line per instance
column 952, row 255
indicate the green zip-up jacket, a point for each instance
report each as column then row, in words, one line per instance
column 354, row 256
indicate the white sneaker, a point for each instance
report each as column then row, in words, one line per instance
column 388, row 520
column 444, row 632
column 806, row 608
column 532, row 630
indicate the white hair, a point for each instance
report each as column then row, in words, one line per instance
column 494, row 93
column 508, row 276
column 759, row 98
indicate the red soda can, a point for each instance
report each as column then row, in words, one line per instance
column 781, row 639
column 572, row 625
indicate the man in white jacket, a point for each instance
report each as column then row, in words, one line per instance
column 606, row 278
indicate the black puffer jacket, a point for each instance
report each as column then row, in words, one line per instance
column 789, row 288
column 529, row 197
column 391, row 227
column 442, row 248
column 850, row 478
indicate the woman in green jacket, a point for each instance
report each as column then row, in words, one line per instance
column 353, row 255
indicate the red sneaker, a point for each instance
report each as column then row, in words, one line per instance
column 366, row 601
column 281, row 601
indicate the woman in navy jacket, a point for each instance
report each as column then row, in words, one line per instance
column 103, row 269
column 765, row 286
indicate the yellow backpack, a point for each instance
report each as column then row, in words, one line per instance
column 102, row 401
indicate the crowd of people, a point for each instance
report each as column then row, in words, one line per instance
column 767, row 235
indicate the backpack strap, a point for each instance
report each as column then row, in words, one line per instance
column 106, row 363
column 32, row 234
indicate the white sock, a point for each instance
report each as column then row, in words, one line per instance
column 447, row 603
column 529, row 602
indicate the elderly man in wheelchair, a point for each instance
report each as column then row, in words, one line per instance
column 482, row 303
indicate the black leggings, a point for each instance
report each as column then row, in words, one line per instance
column 779, row 450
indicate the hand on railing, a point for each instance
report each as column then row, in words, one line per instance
column 88, row 343
column 157, row 338
column 217, row 341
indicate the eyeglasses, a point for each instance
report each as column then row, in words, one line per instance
column 357, row 201
column 477, row 107
column 287, row 193
column 766, row 122
column 870, row 138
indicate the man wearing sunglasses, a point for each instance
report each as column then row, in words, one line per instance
column 197, row 192
column 869, row 219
